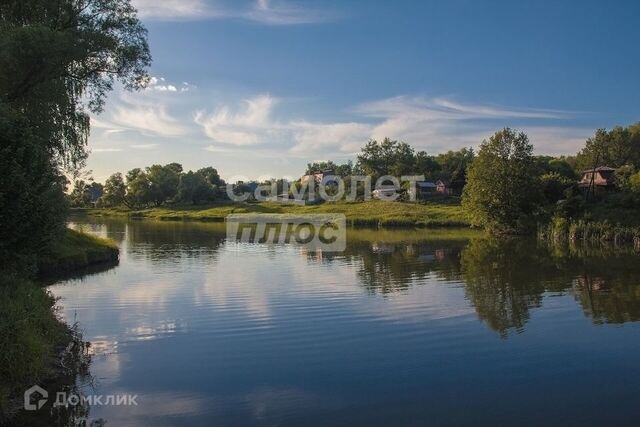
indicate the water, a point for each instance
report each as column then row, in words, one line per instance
column 403, row 328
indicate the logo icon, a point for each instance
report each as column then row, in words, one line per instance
column 30, row 392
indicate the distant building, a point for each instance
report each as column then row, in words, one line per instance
column 385, row 192
column 601, row 178
column 450, row 188
column 318, row 177
column 425, row 189
column 444, row 187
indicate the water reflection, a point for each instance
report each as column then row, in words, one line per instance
column 503, row 280
column 208, row 331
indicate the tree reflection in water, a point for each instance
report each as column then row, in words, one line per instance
column 502, row 279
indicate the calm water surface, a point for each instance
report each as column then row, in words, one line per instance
column 403, row 328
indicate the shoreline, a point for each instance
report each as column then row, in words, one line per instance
column 446, row 213
column 39, row 348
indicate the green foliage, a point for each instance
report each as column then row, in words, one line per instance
column 634, row 183
column 554, row 186
column 342, row 170
column 615, row 148
column 115, row 191
column 502, row 191
column 195, row 188
column 453, row 165
column 29, row 332
column 163, row 182
column 32, row 203
column 138, row 189
column 76, row 250
column 386, row 158
column 58, row 59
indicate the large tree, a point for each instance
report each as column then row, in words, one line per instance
column 58, row 60
column 502, row 191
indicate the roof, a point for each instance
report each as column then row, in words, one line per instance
column 425, row 184
column 599, row 169
column 443, row 182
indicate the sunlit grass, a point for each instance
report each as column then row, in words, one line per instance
column 371, row 213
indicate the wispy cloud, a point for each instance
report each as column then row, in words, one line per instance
column 140, row 114
column 268, row 12
column 105, row 150
column 173, row 10
column 284, row 13
column 143, row 146
column 249, row 126
column 434, row 124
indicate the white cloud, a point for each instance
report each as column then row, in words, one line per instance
column 172, row 10
column 159, row 84
column 106, row 150
column 283, row 13
column 279, row 12
column 143, row 146
column 434, row 124
column 149, row 119
column 252, row 125
column 345, row 137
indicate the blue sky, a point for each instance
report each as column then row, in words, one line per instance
column 259, row 88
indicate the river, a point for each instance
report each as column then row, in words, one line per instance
column 405, row 327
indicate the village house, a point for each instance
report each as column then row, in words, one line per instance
column 601, row 178
column 425, row 189
column 385, row 192
column 318, row 177
column 449, row 188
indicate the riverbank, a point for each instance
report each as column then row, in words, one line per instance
column 75, row 251
column 33, row 340
column 373, row 213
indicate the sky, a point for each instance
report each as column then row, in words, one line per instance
column 259, row 88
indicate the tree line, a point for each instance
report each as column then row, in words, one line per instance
column 151, row 186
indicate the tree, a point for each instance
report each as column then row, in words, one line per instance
column 138, row 189
column 58, row 60
column 615, row 148
column 454, row 164
column 194, row 188
column 115, row 190
column 502, row 191
column 163, row 182
column 211, row 176
column 388, row 157
column 426, row 165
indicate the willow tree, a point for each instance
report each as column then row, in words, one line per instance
column 58, row 61
column 502, row 193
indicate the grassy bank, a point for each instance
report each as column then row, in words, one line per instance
column 76, row 251
column 32, row 337
column 374, row 213
column 561, row 230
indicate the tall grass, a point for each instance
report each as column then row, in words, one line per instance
column 561, row 230
column 29, row 334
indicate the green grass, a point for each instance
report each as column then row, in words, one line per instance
column 29, row 335
column 372, row 213
column 77, row 250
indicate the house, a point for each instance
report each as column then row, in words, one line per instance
column 450, row 188
column 425, row 189
column 385, row 192
column 444, row 187
column 318, row 177
column 601, row 178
